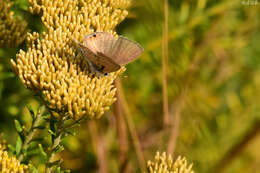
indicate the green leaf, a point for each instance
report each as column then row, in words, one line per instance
column 33, row 152
column 42, row 152
column 57, row 170
column 37, row 140
column 51, row 132
column 47, row 118
column 33, row 169
column 41, row 127
column 55, row 163
column 70, row 132
column 46, row 115
column 29, row 107
column 18, row 126
column 11, row 148
column 19, row 144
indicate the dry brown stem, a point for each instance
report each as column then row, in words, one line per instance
column 132, row 130
column 121, row 130
column 164, row 66
column 99, row 146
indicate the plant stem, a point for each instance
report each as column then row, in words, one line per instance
column 164, row 66
column 59, row 133
column 132, row 130
column 50, row 160
column 31, row 133
column 121, row 131
column 99, row 146
column 56, row 139
column 176, row 112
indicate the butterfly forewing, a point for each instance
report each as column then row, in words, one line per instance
column 99, row 41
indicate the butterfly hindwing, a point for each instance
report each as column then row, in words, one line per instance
column 108, row 64
column 125, row 51
column 121, row 50
column 102, row 62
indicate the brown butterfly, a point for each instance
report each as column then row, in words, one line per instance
column 106, row 54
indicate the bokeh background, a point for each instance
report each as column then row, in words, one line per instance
column 213, row 90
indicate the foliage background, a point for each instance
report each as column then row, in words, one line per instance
column 213, row 86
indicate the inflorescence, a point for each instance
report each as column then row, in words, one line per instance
column 53, row 65
column 10, row 164
column 165, row 164
column 12, row 30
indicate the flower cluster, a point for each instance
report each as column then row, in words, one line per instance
column 164, row 164
column 12, row 30
column 53, row 65
column 10, row 164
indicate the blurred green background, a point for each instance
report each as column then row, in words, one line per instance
column 213, row 75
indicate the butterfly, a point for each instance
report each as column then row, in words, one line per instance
column 105, row 53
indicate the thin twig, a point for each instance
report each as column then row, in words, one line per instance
column 121, row 131
column 164, row 66
column 176, row 121
column 132, row 129
column 99, row 145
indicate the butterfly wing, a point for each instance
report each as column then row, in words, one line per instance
column 108, row 64
column 109, row 53
column 99, row 41
column 124, row 51
column 103, row 63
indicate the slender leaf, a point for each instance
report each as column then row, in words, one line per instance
column 19, row 144
column 18, row 126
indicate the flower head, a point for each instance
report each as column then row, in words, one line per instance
column 12, row 30
column 10, row 164
column 54, row 66
column 164, row 164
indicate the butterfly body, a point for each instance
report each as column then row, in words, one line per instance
column 106, row 54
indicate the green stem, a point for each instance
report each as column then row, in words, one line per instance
column 49, row 166
column 31, row 133
column 56, row 139
column 57, row 125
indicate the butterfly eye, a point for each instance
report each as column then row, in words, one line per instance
column 94, row 35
